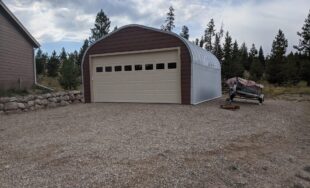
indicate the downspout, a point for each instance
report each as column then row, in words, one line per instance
column 35, row 75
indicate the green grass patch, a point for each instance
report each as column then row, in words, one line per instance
column 13, row 92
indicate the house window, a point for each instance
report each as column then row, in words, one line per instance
column 160, row 66
column 149, row 67
column 108, row 69
column 99, row 69
column 172, row 65
column 118, row 68
column 138, row 67
column 128, row 67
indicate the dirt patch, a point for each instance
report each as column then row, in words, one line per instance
column 158, row 145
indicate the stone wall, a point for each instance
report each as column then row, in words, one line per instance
column 36, row 102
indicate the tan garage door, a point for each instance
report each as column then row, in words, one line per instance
column 146, row 77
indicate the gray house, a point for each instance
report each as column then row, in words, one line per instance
column 17, row 46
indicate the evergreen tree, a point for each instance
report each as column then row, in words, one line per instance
column 244, row 56
column 261, row 56
column 256, row 70
column 63, row 55
column 197, row 42
column 201, row 42
column 304, row 42
column 209, row 34
column 169, row 22
column 235, row 66
column 69, row 74
column 252, row 55
column 227, row 54
column 115, row 28
column 40, row 62
column 101, row 26
column 81, row 53
column 185, row 32
column 217, row 47
column 279, row 46
column 53, row 65
column 276, row 65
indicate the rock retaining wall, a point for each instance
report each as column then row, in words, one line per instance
column 36, row 102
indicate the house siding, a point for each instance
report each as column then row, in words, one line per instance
column 136, row 39
column 16, row 56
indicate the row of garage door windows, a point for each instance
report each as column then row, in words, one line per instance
column 118, row 68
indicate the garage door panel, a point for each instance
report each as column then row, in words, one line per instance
column 151, row 86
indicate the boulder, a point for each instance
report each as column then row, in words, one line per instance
column 29, row 98
column 64, row 103
column 10, row 106
column 4, row 99
column 30, row 103
column 39, row 97
column 44, row 102
column 58, row 99
column 52, row 99
column 13, row 99
column 38, row 101
column 21, row 105
column 37, row 107
column 47, row 95
column 1, row 106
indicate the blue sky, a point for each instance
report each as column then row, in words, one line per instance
column 66, row 23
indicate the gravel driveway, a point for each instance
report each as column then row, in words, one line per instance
column 158, row 145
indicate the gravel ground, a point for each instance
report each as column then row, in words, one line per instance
column 158, row 145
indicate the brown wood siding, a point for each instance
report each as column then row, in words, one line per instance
column 16, row 56
column 135, row 39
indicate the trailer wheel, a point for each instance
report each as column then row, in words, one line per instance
column 261, row 99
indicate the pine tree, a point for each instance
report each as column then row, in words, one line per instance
column 169, row 22
column 53, row 65
column 185, row 32
column 196, row 42
column 101, row 26
column 252, row 55
column 201, row 42
column 63, row 55
column 244, row 56
column 69, row 74
column 276, row 65
column 209, row 34
column 227, row 54
column 304, row 42
column 261, row 56
column 81, row 53
column 256, row 70
column 217, row 49
column 40, row 62
column 235, row 66
column 279, row 46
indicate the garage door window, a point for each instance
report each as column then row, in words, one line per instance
column 149, row 67
column 172, row 65
column 118, row 68
column 99, row 69
column 160, row 66
column 138, row 67
column 128, row 67
column 108, row 69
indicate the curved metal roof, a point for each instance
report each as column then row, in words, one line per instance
column 198, row 55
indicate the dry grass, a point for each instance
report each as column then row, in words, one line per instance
column 272, row 90
column 51, row 82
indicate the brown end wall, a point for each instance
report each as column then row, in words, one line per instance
column 134, row 39
column 16, row 56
